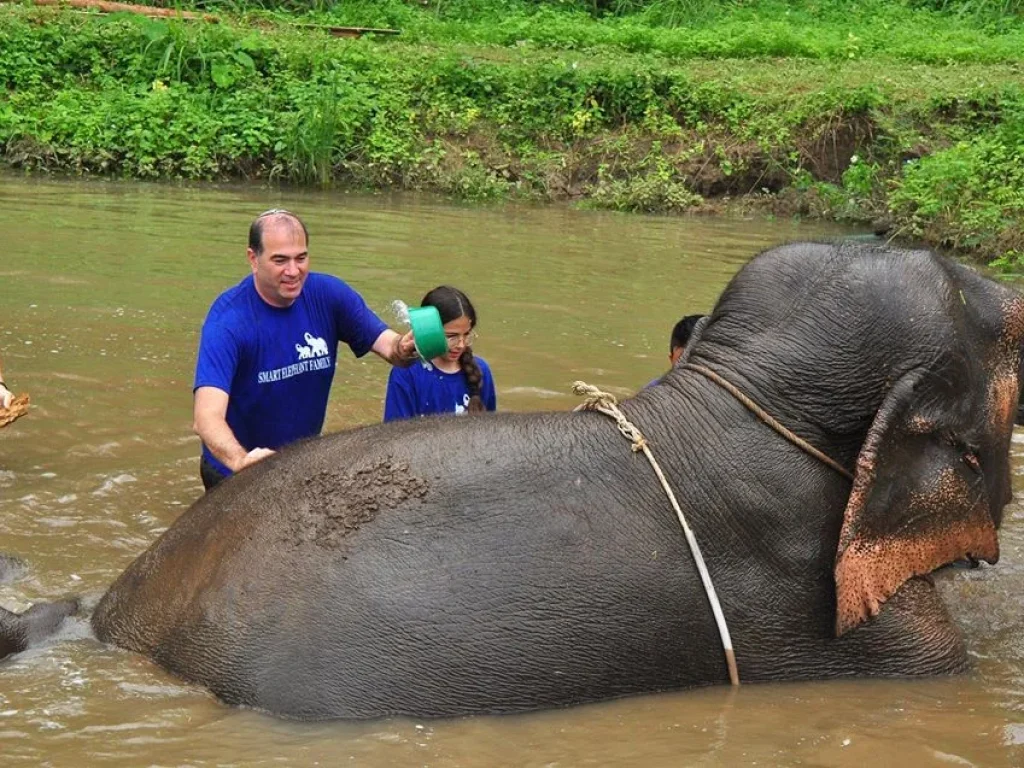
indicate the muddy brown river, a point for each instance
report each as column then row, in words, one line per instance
column 103, row 287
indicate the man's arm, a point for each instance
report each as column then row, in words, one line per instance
column 397, row 349
column 209, row 421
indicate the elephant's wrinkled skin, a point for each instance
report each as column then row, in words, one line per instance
column 18, row 631
column 520, row 561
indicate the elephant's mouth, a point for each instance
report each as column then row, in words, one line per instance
column 969, row 562
column 966, row 563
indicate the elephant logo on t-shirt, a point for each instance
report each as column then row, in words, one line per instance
column 314, row 347
column 464, row 407
column 317, row 345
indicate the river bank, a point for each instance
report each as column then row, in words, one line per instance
column 623, row 116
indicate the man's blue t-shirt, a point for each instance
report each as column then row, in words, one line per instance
column 423, row 389
column 277, row 364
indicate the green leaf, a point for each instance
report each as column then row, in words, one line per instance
column 244, row 59
column 223, row 74
column 154, row 30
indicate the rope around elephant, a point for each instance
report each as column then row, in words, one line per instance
column 604, row 402
column 768, row 419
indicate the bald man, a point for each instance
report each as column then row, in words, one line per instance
column 268, row 350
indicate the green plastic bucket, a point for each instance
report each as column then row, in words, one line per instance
column 428, row 332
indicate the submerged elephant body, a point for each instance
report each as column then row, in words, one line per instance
column 19, row 631
column 520, row 561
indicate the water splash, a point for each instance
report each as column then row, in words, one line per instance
column 400, row 310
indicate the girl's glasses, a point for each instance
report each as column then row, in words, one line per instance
column 455, row 340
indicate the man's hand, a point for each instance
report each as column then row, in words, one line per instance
column 406, row 349
column 253, row 456
column 6, row 396
column 397, row 349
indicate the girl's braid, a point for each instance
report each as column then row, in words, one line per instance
column 474, row 376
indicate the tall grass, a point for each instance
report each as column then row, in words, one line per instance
column 663, row 13
column 822, row 29
column 934, row 31
column 683, row 12
column 981, row 8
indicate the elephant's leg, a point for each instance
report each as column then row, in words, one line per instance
column 18, row 631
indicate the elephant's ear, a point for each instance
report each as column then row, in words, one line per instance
column 918, row 502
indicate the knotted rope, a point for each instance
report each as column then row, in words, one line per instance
column 605, row 403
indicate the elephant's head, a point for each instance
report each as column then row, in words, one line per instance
column 900, row 364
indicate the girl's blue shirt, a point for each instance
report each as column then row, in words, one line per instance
column 423, row 389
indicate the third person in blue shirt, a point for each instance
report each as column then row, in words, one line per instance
column 456, row 382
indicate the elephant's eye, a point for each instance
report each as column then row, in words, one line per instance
column 968, row 451
column 971, row 460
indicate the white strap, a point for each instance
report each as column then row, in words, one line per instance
column 605, row 403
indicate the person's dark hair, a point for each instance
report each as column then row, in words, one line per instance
column 451, row 304
column 682, row 331
column 256, row 228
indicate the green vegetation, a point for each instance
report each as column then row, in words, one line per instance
column 910, row 111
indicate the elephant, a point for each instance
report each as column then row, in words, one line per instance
column 520, row 561
column 19, row 631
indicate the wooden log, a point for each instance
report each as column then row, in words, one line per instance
column 19, row 407
column 104, row 6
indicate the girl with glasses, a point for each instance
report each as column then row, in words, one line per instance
column 455, row 382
